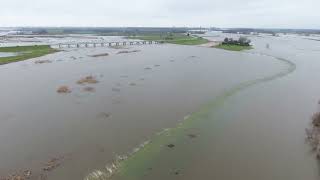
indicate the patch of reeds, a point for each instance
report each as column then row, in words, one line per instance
column 23, row 175
column 63, row 89
column 29, row 174
column 313, row 134
column 88, row 80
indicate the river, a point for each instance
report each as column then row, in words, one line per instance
column 255, row 132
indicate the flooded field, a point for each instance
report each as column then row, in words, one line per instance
column 3, row 54
column 111, row 102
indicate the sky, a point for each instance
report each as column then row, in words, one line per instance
column 161, row 13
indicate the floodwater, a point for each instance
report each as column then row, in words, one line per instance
column 258, row 133
column 5, row 54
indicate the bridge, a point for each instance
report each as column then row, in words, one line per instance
column 103, row 44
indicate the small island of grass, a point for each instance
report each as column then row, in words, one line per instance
column 235, row 45
column 25, row 52
column 172, row 38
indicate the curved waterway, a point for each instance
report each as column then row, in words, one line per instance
column 241, row 129
column 172, row 151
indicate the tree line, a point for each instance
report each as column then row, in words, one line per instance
column 242, row 41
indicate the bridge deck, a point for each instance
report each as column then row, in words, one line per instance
column 102, row 44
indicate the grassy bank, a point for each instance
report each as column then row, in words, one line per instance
column 25, row 52
column 233, row 47
column 175, row 38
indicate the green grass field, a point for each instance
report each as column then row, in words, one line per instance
column 233, row 47
column 25, row 52
column 181, row 39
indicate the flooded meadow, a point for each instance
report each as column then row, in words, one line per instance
column 171, row 112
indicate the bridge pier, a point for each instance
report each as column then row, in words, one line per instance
column 102, row 44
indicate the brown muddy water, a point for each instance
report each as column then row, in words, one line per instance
column 259, row 132
column 256, row 134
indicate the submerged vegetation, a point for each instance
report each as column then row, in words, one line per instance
column 63, row 89
column 172, row 38
column 88, row 80
column 313, row 134
column 235, row 45
column 83, row 81
column 89, row 89
column 126, row 52
column 42, row 61
column 100, row 55
column 25, row 52
column 41, row 173
column 136, row 164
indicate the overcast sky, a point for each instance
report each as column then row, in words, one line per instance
column 218, row 13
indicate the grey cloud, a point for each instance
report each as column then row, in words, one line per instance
column 221, row 13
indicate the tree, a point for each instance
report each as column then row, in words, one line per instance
column 244, row 41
